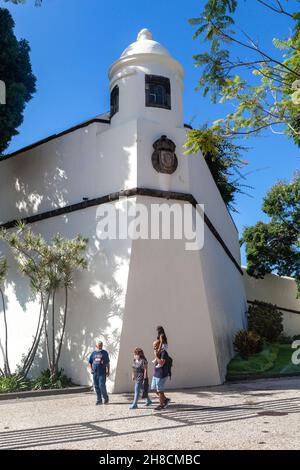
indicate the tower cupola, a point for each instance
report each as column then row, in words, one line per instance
column 146, row 82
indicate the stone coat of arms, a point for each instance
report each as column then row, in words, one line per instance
column 164, row 159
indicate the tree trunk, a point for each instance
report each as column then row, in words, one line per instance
column 33, row 353
column 26, row 360
column 6, row 361
column 47, row 339
column 63, row 329
column 53, row 330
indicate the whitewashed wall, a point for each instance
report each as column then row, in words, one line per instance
column 89, row 162
column 192, row 176
column 188, row 293
column 281, row 291
column 167, row 285
column 96, row 303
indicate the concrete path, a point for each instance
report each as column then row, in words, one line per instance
column 263, row 414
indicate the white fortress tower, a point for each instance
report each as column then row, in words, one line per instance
column 130, row 157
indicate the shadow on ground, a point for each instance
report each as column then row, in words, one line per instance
column 178, row 415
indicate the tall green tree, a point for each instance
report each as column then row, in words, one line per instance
column 262, row 86
column 16, row 73
column 275, row 246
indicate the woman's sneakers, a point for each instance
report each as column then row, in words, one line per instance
column 147, row 403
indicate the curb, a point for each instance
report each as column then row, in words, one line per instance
column 44, row 393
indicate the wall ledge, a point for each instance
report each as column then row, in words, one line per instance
column 184, row 197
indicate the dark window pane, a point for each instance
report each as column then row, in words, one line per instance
column 114, row 101
column 158, row 91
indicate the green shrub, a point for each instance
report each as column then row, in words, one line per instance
column 247, row 343
column 14, row 383
column 44, row 381
column 265, row 320
column 296, row 337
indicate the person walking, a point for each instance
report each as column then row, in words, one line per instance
column 140, row 377
column 162, row 367
column 100, row 368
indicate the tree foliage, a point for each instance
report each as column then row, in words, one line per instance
column 17, row 2
column 263, row 87
column 265, row 320
column 223, row 158
column 275, row 246
column 16, row 73
column 50, row 269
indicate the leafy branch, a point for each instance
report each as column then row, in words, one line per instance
column 267, row 94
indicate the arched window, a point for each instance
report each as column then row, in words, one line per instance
column 158, row 91
column 114, row 101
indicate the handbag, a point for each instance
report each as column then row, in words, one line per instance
column 145, row 388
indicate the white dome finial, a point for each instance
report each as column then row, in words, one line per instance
column 144, row 34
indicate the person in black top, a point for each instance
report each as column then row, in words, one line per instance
column 139, row 376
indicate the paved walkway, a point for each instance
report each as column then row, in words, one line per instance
column 257, row 415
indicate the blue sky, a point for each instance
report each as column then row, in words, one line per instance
column 73, row 43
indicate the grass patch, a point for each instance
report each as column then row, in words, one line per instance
column 274, row 359
column 255, row 364
column 283, row 364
